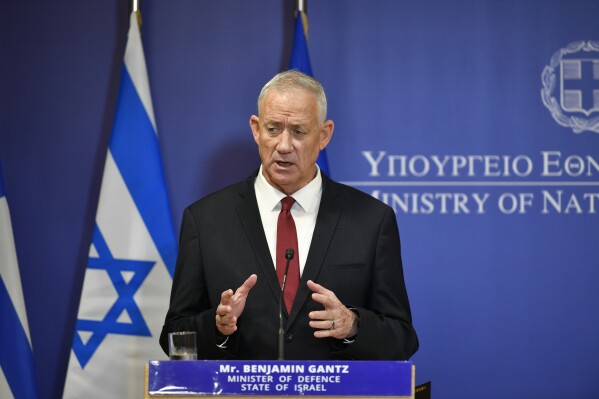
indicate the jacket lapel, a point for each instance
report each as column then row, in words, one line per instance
column 326, row 221
column 252, row 223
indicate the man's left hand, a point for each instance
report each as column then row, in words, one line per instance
column 336, row 320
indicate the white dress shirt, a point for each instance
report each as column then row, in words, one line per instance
column 304, row 212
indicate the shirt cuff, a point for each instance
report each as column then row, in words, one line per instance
column 223, row 345
column 350, row 340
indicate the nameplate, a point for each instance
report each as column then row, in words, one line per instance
column 277, row 378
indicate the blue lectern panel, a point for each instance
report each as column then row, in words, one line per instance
column 263, row 378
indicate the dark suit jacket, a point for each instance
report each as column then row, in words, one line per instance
column 355, row 252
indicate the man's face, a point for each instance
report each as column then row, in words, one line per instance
column 289, row 138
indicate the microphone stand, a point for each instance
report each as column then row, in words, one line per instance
column 288, row 255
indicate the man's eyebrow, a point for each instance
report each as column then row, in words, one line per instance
column 297, row 125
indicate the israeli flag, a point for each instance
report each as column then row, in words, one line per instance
column 131, row 260
column 300, row 60
column 17, row 372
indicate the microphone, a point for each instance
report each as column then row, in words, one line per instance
column 288, row 255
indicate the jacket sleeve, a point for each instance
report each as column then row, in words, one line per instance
column 385, row 329
column 191, row 308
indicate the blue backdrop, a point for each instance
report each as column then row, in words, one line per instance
column 460, row 114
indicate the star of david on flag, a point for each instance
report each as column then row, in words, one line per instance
column 126, row 276
column 132, row 256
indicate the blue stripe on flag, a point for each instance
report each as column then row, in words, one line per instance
column 300, row 60
column 134, row 146
column 16, row 357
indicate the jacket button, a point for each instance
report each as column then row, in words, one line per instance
column 289, row 337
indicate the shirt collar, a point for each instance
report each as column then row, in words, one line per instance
column 306, row 197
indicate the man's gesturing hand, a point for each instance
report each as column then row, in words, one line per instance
column 231, row 306
column 335, row 320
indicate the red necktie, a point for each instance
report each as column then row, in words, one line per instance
column 287, row 238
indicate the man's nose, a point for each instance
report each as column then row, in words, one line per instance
column 285, row 145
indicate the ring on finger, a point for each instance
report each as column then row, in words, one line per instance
column 332, row 325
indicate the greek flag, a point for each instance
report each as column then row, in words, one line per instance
column 17, row 373
column 131, row 260
column 300, row 60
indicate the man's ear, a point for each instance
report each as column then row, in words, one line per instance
column 326, row 133
column 255, row 126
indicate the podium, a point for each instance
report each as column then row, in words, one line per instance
column 279, row 379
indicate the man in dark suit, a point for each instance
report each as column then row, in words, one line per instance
column 346, row 296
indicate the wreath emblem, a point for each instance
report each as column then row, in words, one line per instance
column 577, row 123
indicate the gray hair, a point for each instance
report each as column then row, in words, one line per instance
column 294, row 79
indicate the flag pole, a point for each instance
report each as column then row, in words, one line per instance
column 300, row 7
column 135, row 9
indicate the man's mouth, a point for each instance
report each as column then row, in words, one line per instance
column 284, row 164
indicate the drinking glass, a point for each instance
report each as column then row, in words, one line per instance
column 182, row 345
